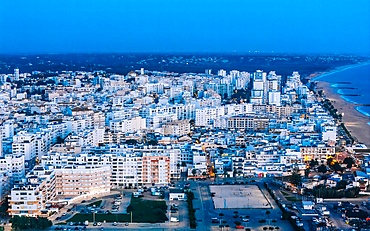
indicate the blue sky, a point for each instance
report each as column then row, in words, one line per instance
column 64, row 26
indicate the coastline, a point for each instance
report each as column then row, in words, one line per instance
column 319, row 75
column 355, row 121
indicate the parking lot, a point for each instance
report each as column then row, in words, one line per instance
column 116, row 205
column 238, row 197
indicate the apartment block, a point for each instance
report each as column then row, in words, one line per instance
column 76, row 180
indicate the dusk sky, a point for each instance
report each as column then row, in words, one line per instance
column 62, row 26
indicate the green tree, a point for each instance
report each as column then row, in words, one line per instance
column 178, row 169
column 322, row 168
column 349, row 162
column 194, row 171
column 295, row 178
column 306, row 172
column 235, row 172
column 4, row 207
column 341, row 184
column 22, row 222
column 337, row 167
column 313, row 163
column 225, row 174
column 329, row 161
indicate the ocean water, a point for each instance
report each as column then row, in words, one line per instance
column 352, row 83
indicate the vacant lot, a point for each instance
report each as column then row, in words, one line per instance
column 143, row 211
column 238, row 197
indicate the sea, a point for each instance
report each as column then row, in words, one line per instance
column 352, row 83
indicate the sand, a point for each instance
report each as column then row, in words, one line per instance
column 354, row 121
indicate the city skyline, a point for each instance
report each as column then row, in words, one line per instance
column 177, row 115
column 179, row 26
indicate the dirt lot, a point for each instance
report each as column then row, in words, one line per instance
column 238, row 197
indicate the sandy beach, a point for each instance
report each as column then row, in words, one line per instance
column 355, row 122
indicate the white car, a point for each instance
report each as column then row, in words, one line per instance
column 245, row 220
column 99, row 224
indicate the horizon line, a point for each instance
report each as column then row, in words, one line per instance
column 186, row 53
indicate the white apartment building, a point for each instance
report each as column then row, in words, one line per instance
column 157, row 120
column 76, row 180
column 259, row 90
column 42, row 142
column 319, row 153
column 222, row 73
column 80, row 124
column 154, row 88
column 14, row 167
column 123, row 114
column 33, row 197
column 249, row 123
column 242, row 82
column 127, row 163
column 206, row 116
column 199, row 163
column 294, row 81
column 94, row 137
column 24, row 143
column 182, row 111
column 59, row 129
column 25, row 201
column 274, row 98
column 128, row 125
column 329, row 133
column 7, row 129
column 176, row 128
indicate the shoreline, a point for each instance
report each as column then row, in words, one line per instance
column 316, row 76
column 356, row 122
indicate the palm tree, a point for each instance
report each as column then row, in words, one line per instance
column 178, row 168
column 183, row 164
column 234, row 173
column 204, row 174
column 225, row 174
